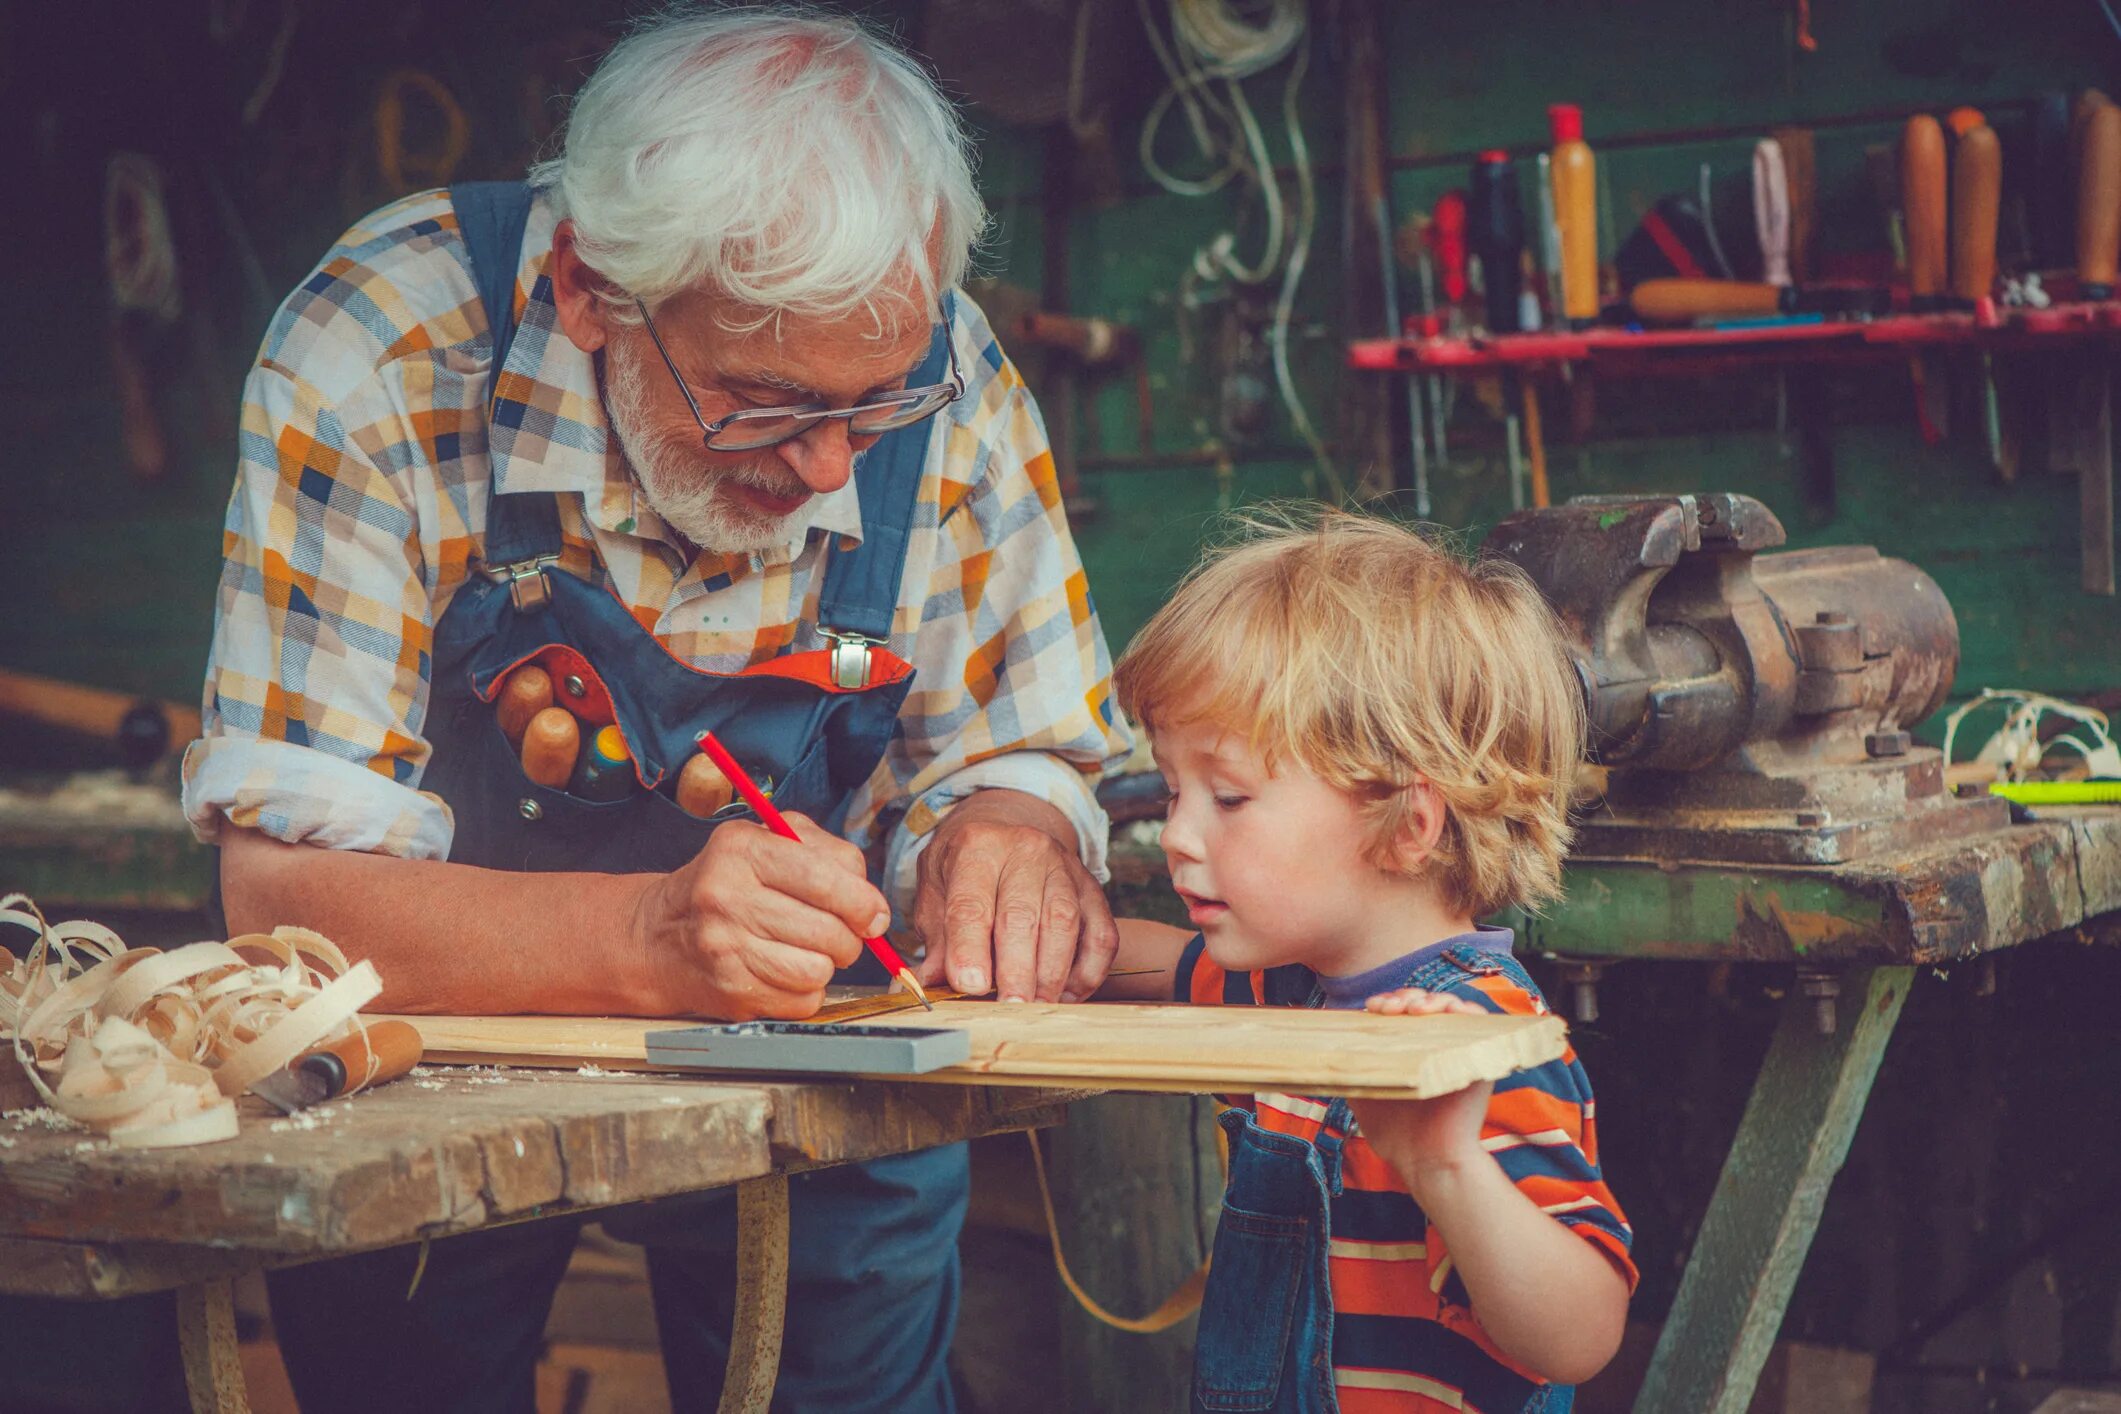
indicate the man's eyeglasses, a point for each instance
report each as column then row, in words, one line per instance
column 749, row 429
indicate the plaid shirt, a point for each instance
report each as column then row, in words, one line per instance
column 360, row 507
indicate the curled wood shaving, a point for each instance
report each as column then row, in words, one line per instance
column 150, row 1047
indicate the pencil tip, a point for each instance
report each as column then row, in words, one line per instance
column 905, row 974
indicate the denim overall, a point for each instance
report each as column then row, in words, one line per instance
column 873, row 1278
column 1265, row 1341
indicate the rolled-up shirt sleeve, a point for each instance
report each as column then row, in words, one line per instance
column 1014, row 684
column 317, row 682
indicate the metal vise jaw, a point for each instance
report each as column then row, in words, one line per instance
column 1749, row 707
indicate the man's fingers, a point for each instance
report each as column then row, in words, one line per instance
column 1019, row 916
column 788, row 920
column 1099, row 941
column 810, row 875
column 783, row 968
column 968, row 912
column 840, row 851
column 1059, row 931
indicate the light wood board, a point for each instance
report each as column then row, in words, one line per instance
column 1172, row 1049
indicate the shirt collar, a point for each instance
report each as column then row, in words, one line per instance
column 562, row 441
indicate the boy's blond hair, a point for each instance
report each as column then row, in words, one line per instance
column 1373, row 658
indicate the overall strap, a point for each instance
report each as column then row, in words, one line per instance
column 859, row 598
column 522, row 531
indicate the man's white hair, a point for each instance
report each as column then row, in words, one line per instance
column 787, row 158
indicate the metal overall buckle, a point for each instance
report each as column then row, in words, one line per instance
column 527, row 589
column 850, row 658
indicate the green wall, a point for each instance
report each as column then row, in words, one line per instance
column 111, row 581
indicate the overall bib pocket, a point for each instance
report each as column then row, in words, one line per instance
column 1257, row 1266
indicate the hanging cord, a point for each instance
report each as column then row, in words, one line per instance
column 1184, row 1299
column 1213, row 49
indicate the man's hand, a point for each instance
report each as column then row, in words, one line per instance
column 1004, row 901
column 755, row 925
column 1420, row 1136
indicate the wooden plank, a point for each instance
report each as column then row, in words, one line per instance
column 1759, row 1226
column 1171, row 1049
column 435, row 1154
column 444, row 1151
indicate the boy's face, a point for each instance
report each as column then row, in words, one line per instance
column 1271, row 866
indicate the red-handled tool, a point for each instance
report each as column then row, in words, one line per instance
column 771, row 818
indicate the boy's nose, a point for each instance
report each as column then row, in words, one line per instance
column 1179, row 839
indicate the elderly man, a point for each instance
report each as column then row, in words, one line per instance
column 695, row 422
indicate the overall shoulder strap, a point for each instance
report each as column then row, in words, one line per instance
column 521, row 531
column 860, row 595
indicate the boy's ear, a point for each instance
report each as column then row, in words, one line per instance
column 1424, row 824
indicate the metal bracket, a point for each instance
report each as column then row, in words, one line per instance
column 527, row 588
column 850, row 658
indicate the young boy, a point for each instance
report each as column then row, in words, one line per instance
column 1371, row 744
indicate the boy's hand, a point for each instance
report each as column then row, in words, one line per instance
column 1420, row 1136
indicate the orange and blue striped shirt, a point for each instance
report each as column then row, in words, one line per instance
column 1405, row 1339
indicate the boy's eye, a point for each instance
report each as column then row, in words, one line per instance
column 1230, row 802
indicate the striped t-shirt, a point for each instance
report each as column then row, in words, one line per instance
column 1405, row 1340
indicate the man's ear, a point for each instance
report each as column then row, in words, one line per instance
column 585, row 317
column 1424, row 825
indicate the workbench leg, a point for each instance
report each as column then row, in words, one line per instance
column 761, row 1294
column 1760, row 1223
column 206, row 1334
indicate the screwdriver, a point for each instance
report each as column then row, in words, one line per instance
column 1922, row 208
column 880, row 949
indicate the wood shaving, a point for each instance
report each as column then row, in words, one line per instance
column 150, row 1048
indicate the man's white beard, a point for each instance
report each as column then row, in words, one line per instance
column 681, row 488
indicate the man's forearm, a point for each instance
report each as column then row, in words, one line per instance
column 451, row 938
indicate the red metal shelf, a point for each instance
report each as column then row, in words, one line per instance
column 1693, row 351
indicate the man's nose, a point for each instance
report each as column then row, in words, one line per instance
column 823, row 457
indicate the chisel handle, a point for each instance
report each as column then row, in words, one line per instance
column 390, row 1047
column 1977, row 202
column 1922, row 204
column 2099, row 202
column 1679, row 301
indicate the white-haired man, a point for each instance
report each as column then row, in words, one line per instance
column 695, row 423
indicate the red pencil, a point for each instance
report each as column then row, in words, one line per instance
column 763, row 808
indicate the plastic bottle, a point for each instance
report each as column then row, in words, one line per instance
column 1575, row 212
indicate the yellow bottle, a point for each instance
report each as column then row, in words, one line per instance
column 1575, row 185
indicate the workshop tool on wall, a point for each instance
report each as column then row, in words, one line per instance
column 551, row 742
column 1922, row 205
column 2081, row 433
column 140, row 266
column 1495, row 224
column 1771, row 211
column 407, row 165
column 1549, row 238
column 603, row 770
column 1748, row 707
column 1412, row 389
column 879, row 948
column 382, row 1051
column 1575, row 186
column 1977, row 206
column 524, row 693
column 1800, row 174
column 1681, row 301
column 144, row 730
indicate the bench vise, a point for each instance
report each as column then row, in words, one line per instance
column 1748, row 708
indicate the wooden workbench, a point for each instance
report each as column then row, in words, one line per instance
column 446, row 1150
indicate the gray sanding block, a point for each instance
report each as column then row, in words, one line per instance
column 794, row 1046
